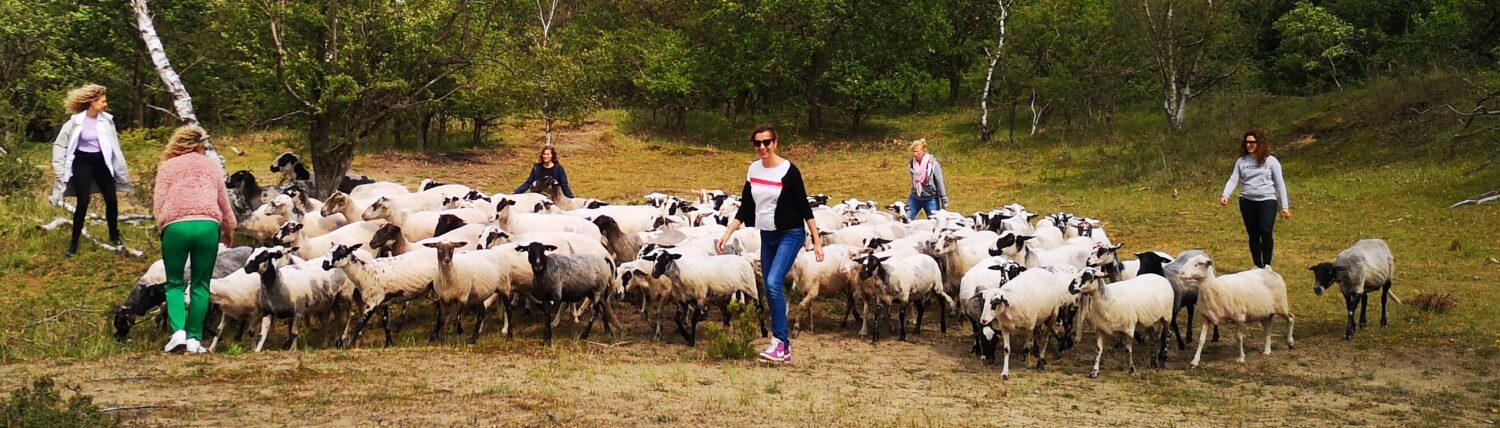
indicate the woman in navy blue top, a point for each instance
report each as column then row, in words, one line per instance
column 546, row 166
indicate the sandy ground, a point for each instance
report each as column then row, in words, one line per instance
column 838, row 379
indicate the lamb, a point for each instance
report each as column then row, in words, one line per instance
column 292, row 171
column 570, row 278
column 521, row 223
column 292, row 234
column 623, row 246
column 296, row 292
column 473, row 280
column 830, row 276
column 1366, row 266
column 383, row 281
column 1119, row 308
column 340, row 203
column 316, row 224
column 418, row 225
column 904, row 281
column 1028, row 303
column 701, row 281
column 1253, row 295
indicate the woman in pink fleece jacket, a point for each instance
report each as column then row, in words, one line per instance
column 192, row 212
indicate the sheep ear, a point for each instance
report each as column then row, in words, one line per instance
column 460, row 244
column 550, row 247
column 883, row 258
column 292, row 250
column 520, row 249
column 673, row 256
column 996, row 267
column 430, row 245
column 356, row 246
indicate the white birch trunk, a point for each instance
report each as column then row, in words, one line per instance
column 181, row 101
column 989, row 75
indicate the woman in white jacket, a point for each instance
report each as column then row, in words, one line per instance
column 86, row 157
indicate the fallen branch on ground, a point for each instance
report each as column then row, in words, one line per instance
column 123, row 408
column 1485, row 198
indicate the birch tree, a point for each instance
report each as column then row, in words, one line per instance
column 1187, row 44
column 182, row 102
column 989, row 76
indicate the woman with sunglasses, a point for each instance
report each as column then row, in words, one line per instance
column 1258, row 175
column 775, row 201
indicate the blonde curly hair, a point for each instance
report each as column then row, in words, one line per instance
column 186, row 139
column 79, row 98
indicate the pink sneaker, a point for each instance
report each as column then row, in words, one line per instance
column 777, row 352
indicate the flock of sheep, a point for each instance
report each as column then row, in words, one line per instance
column 1008, row 272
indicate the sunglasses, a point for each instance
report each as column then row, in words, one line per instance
column 1251, row 142
column 762, row 143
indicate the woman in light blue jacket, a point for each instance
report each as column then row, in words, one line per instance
column 86, row 157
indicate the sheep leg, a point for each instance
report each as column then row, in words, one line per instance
column 942, row 321
column 921, row 308
column 1041, row 345
column 858, row 313
column 549, row 310
column 875, row 328
column 1239, row 335
column 904, row 308
column 265, row 329
column 1177, row 332
column 505, row 317
column 1190, row 317
column 1130, row 348
column 594, row 315
column 292, row 332
column 1364, row 307
column 1216, row 332
column 609, row 316
column 437, row 330
column 556, row 316
column 864, row 324
column 239, row 334
column 1202, row 337
column 678, row 319
column 385, row 324
column 806, row 306
column 1266, row 326
column 1005, row 368
column 1159, row 353
column 1385, row 294
column 725, row 308
column 1351, row 302
column 359, row 328
column 1098, row 343
column 220, row 332
column 1291, row 321
column 699, row 314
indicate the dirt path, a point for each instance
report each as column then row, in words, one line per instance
column 837, row 379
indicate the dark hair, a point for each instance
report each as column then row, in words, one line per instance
column 1262, row 147
column 764, row 128
column 545, row 148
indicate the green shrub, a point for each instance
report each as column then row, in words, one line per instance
column 42, row 406
column 735, row 343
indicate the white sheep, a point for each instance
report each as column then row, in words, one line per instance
column 389, row 241
column 383, row 281
column 1364, row 267
column 1119, row 308
column 655, row 292
column 631, row 218
column 418, row 225
column 698, row 282
column 828, row 277
column 315, row 222
column 520, row 223
column 1028, row 303
column 989, row 273
column 372, row 191
column 473, row 281
column 904, row 281
column 1253, row 295
column 291, row 234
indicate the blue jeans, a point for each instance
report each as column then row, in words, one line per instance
column 913, row 205
column 777, row 252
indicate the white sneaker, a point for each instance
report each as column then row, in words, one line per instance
column 194, row 347
column 177, row 343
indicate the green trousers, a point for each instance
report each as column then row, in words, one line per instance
column 198, row 239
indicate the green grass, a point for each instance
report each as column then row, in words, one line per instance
column 1361, row 163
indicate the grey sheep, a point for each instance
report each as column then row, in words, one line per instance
column 1366, row 266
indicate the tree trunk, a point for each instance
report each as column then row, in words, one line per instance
column 681, row 117
column 955, row 81
column 856, row 118
column 397, row 130
column 1012, row 124
column 331, row 159
column 814, row 98
column 479, row 124
column 138, row 90
column 989, row 75
column 912, row 103
column 426, row 128
column 169, row 78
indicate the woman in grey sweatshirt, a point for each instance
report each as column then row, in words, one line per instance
column 1258, row 175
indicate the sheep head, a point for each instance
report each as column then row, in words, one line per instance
column 1197, row 269
column 285, row 162
column 492, row 236
column 1325, row 275
column 288, row 232
column 1009, row 270
column 381, row 208
column 870, row 265
column 536, row 255
column 664, row 261
column 142, row 298
column 341, row 256
column 994, row 302
column 1085, row 282
column 335, row 204
column 445, row 250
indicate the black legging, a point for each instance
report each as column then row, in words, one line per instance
column 90, row 168
column 1260, row 223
